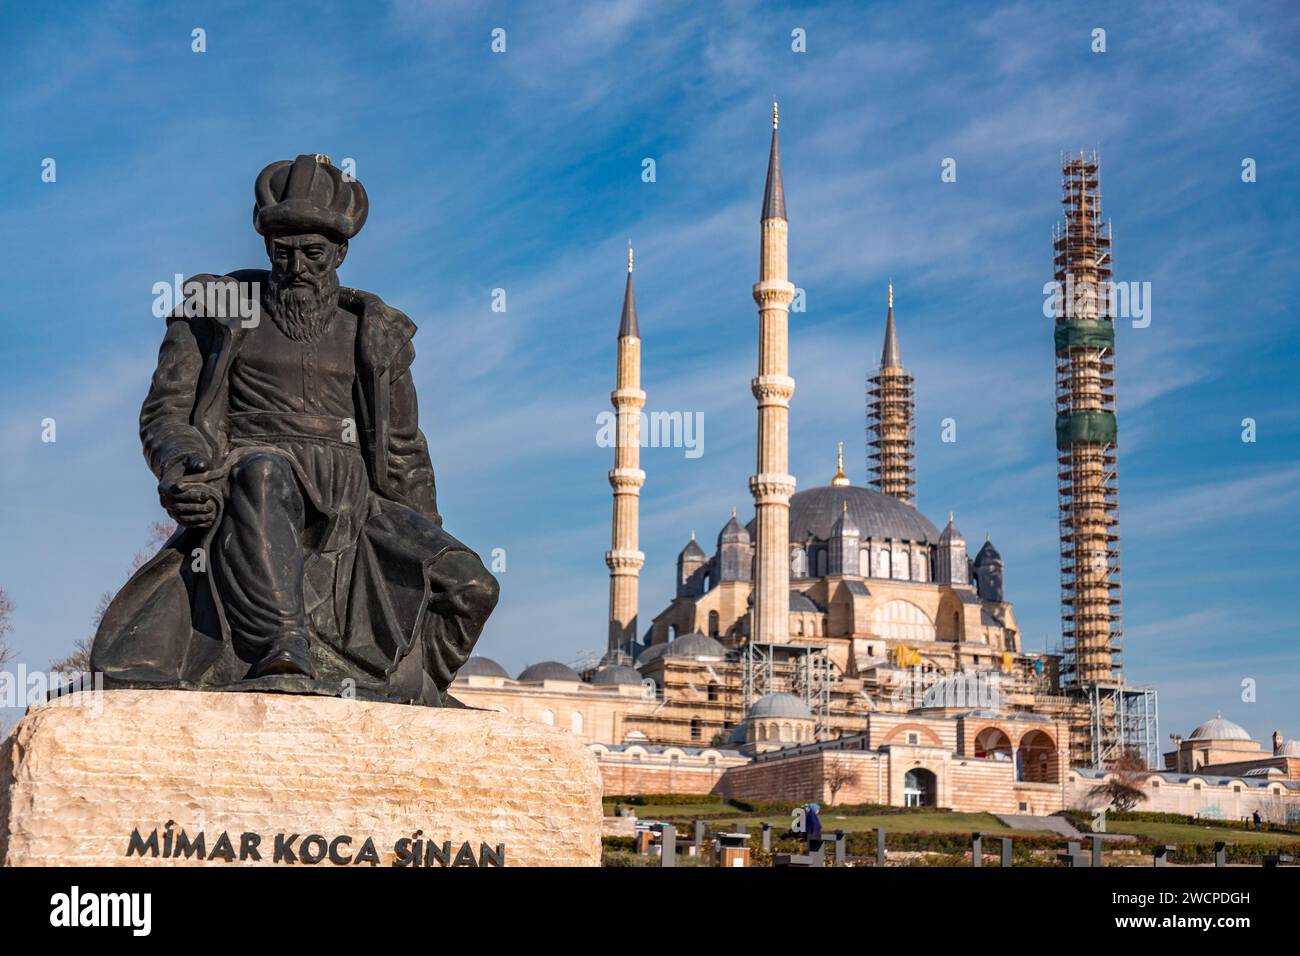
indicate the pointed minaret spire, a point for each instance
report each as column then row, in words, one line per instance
column 890, row 419
column 627, row 324
column 774, row 192
column 624, row 557
column 890, row 356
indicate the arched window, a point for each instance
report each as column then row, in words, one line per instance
column 713, row 691
column 576, row 722
column 548, row 718
column 713, row 623
column 902, row 621
column 672, row 631
column 798, row 627
column 695, row 729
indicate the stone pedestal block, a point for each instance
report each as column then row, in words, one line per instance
column 276, row 779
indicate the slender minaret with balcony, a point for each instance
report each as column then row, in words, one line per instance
column 891, row 423
column 626, row 478
column 1087, row 490
column 772, row 484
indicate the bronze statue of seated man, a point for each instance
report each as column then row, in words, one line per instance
column 283, row 428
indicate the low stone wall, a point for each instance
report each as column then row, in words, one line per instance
column 77, row 781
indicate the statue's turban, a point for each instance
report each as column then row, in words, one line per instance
column 308, row 194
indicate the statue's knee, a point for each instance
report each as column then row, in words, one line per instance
column 475, row 588
column 264, row 475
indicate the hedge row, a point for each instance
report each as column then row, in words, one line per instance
column 1082, row 819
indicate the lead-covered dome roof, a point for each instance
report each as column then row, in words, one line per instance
column 780, row 705
column 1219, row 729
column 549, row 670
column 478, row 666
column 813, row 514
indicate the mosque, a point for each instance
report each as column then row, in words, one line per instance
column 840, row 634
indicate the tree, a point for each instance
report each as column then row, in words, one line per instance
column 6, row 625
column 1123, row 789
column 839, row 774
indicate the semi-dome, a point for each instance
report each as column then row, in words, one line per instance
column 813, row 514
column 694, row 645
column 617, row 674
column 549, row 670
column 1219, row 729
column 803, row 603
column 779, row 705
column 478, row 666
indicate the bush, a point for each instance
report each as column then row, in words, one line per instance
column 665, row 799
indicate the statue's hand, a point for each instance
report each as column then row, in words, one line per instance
column 191, row 504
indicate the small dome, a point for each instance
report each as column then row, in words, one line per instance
column 803, row 603
column 694, row 645
column 549, row 670
column 478, row 666
column 1219, row 729
column 653, row 652
column 1290, row 749
column 732, row 532
column 779, row 705
column 988, row 555
column 692, row 551
column 950, row 531
column 617, row 674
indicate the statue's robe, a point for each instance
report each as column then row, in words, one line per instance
column 397, row 603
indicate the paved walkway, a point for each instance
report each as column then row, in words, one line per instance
column 1057, row 825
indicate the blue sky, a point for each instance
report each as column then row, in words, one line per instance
column 522, row 171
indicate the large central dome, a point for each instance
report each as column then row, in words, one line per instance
column 878, row 516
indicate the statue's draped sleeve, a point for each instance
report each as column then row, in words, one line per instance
column 166, row 428
column 410, row 472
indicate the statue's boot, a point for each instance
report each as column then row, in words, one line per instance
column 289, row 654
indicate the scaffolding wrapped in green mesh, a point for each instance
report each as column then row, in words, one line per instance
column 1097, row 333
column 1091, row 427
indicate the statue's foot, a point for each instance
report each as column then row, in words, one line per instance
column 290, row 654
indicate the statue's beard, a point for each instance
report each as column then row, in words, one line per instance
column 303, row 309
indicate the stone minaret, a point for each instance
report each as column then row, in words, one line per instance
column 891, row 420
column 773, row 484
column 626, row 477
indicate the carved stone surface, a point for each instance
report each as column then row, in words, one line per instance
column 75, row 781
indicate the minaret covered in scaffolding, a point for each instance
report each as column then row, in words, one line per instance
column 1085, row 433
column 891, row 420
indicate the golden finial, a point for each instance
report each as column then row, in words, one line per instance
column 733, row 512
column 692, row 534
column 840, row 479
column 891, row 293
column 629, row 255
column 774, row 113
column 323, row 159
column 950, row 519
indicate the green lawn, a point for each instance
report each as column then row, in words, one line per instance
column 720, row 816
column 1183, row 833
